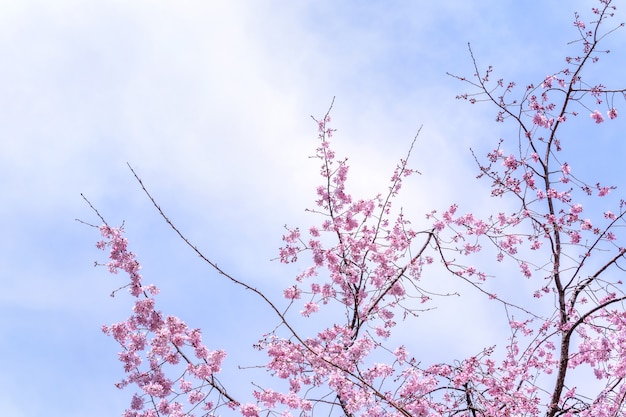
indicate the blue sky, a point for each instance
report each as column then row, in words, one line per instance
column 210, row 102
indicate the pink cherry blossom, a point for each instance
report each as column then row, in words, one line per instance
column 597, row 116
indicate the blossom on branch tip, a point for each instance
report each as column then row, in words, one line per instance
column 250, row 410
column 309, row 308
column 576, row 209
column 547, row 83
column 597, row 116
column 541, row 120
column 574, row 237
column 292, row 293
column 586, row 224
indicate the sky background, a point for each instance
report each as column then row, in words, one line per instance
column 210, row 102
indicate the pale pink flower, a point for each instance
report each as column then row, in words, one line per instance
column 136, row 403
column 185, row 386
column 612, row 113
column 196, row 396
column 250, row 410
column 292, row 293
column 401, row 354
column 574, row 237
column 576, row 209
column 309, row 308
column 547, row 83
column 542, row 120
column 597, row 116
column 510, row 162
column 382, row 332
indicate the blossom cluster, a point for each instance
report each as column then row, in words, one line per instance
column 150, row 341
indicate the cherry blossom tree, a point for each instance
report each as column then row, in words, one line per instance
column 364, row 259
